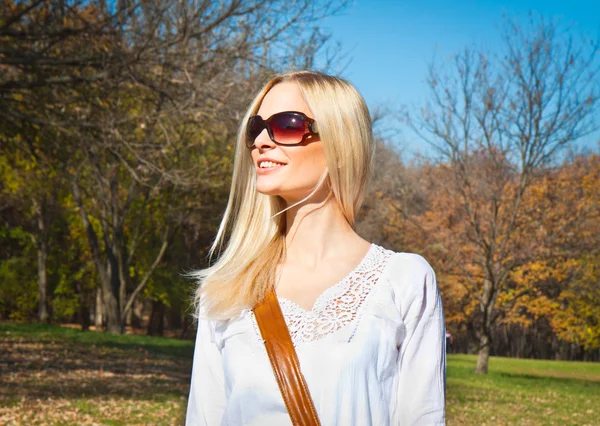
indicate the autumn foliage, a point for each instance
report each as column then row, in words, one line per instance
column 549, row 302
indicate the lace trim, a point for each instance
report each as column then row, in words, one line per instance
column 338, row 306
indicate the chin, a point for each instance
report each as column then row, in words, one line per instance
column 271, row 192
column 267, row 185
column 268, row 188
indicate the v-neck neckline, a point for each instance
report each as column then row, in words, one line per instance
column 332, row 289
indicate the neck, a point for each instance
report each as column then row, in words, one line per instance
column 316, row 229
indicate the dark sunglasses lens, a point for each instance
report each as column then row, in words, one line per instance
column 288, row 128
column 255, row 127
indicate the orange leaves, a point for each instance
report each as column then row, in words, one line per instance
column 533, row 245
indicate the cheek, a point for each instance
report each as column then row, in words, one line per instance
column 310, row 158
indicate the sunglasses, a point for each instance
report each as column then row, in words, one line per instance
column 284, row 128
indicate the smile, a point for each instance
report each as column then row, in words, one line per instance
column 269, row 164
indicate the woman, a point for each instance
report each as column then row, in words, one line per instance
column 367, row 323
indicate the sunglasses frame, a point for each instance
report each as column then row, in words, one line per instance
column 312, row 128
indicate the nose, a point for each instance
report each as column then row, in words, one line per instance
column 263, row 140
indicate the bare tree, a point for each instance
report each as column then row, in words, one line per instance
column 496, row 121
column 147, row 96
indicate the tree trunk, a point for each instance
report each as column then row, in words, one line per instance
column 109, row 276
column 484, row 355
column 43, row 281
column 135, row 313
column 99, row 316
column 41, row 212
column 156, row 325
column 167, row 234
column 485, row 333
column 185, row 327
column 84, row 311
column 111, row 303
column 175, row 319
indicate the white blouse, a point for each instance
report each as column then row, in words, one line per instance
column 372, row 351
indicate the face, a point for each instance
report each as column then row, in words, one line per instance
column 297, row 169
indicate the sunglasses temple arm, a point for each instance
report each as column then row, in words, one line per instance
column 317, row 186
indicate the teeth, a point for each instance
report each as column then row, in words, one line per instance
column 266, row 164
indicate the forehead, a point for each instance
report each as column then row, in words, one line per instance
column 283, row 97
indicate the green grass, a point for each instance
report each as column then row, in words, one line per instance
column 51, row 333
column 61, row 376
column 523, row 392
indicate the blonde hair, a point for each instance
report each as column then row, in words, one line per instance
column 246, row 268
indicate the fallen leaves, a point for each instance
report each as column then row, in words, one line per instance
column 67, row 383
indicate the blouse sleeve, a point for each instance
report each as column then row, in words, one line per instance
column 206, row 402
column 420, row 382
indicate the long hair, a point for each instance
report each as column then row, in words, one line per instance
column 251, row 237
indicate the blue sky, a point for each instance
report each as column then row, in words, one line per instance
column 390, row 42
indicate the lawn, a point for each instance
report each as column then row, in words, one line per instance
column 59, row 376
column 522, row 392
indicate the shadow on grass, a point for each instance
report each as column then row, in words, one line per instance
column 51, row 362
column 53, row 333
column 533, row 380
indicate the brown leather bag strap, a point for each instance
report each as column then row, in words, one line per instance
column 284, row 361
